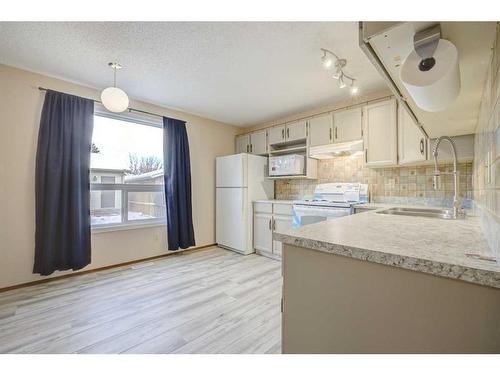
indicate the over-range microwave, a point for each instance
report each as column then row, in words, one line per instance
column 286, row 165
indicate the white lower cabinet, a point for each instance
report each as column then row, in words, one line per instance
column 263, row 232
column 280, row 223
column 266, row 223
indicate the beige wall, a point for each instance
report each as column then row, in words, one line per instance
column 487, row 153
column 20, row 107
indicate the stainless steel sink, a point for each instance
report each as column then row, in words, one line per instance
column 422, row 212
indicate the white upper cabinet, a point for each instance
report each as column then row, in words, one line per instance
column 258, row 142
column 290, row 132
column 380, row 134
column 296, row 130
column 412, row 145
column 276, row 134
column 242, row 143
column 321, row 130
column 347, row 125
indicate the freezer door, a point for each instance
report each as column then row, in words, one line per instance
column 231, row 171
column 231, row 218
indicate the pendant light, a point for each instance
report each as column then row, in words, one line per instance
column 113, row 98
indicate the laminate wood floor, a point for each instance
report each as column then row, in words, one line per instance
column 207, row 301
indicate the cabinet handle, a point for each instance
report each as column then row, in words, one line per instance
column 287, row 133
column 274, row 224
column 270, row 224
column 422, row 146
column 336, row 132
column 330, row 134
column 251, row 147
column 366, row 155
column 247, row 148
column 282, row 133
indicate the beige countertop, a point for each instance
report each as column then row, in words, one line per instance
column 428, row 245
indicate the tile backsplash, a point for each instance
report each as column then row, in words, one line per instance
column 410, row 184
column 486, row 171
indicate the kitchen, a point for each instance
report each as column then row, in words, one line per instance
column 269, row 188
column 389, row 180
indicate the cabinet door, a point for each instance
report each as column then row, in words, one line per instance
column 412, row 144
column 258, row 142
column 262, row 232
column 276, row 134
column 280, row 223
column 242, row 143
column 296, row 130
column 380, row 134
column 320, row 130
column 347, row 125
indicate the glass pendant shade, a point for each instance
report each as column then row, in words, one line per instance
column 114, row 99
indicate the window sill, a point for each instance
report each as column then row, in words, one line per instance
column 128, row 226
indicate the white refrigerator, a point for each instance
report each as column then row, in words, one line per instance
column 240, row 180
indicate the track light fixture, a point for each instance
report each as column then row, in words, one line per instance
column 329, row 60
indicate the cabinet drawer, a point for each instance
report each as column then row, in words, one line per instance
column 282, row 208
column 263, row 207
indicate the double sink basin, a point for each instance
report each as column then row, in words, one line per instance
column 422, row 212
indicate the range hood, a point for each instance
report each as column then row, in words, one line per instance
column 336, row 149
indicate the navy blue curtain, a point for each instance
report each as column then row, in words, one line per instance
column 177, row 169
column 62, row 184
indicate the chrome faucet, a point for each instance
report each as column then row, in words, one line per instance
column 458, row 211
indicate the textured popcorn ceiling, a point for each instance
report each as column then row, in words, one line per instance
column 239, row 73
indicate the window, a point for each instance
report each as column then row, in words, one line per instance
column 126, row 172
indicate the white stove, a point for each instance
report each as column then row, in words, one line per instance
column 330, row 201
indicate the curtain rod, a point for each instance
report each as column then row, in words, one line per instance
column 128, row 109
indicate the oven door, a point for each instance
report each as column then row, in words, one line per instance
column 305, row 215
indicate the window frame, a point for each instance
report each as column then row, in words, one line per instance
column 125, row 189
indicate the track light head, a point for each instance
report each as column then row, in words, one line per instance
column 337, row 74
column 341, row 81
column 326, row 61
